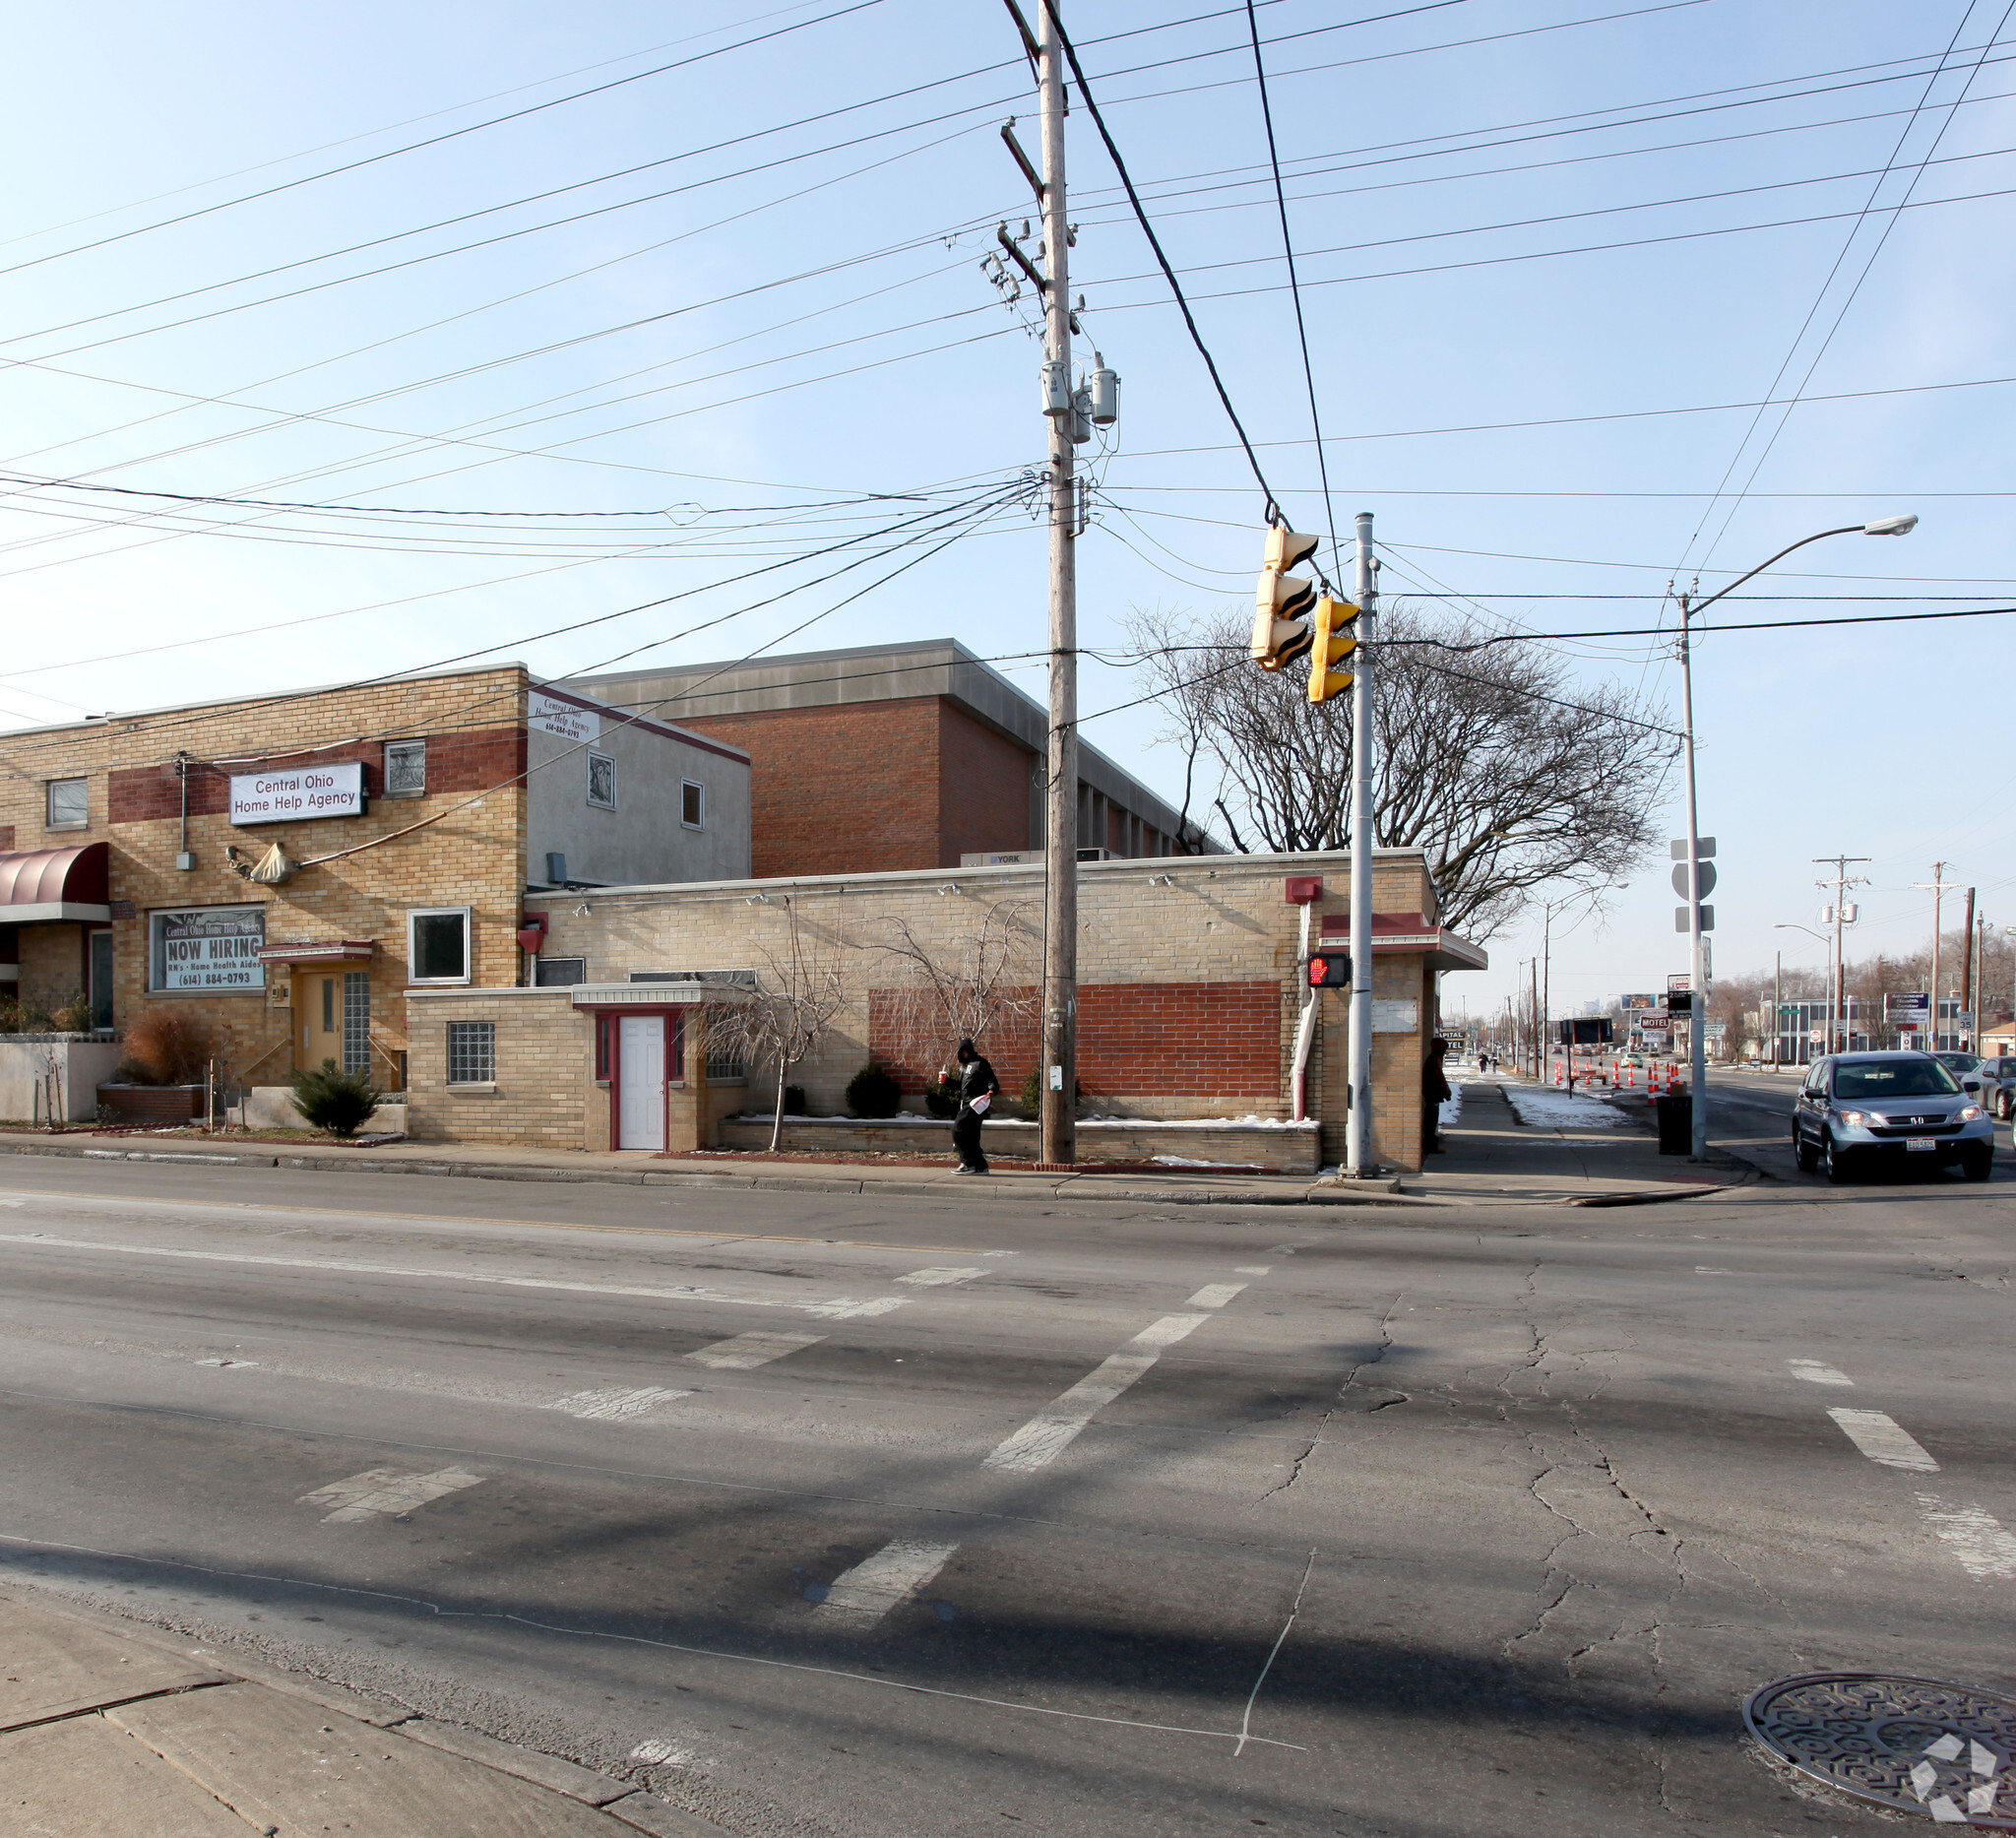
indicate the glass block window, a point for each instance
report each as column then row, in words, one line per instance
column 602, row 782
column 471, row 1052
column 406, row 769
column 69, row 803
column 357, row 1021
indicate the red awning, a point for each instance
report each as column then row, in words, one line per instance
column 40, row 886
column 1411, row 933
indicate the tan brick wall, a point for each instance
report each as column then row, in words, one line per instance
column 1224, row 922
column 472, row 858
column 545, row 1094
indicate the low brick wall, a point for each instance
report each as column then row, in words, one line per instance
column 1290, row 1149
column 153, row 1103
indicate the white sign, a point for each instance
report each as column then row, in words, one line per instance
column 562, row 719
column 295, row 794
column 1401, row 1015
column 207, row 948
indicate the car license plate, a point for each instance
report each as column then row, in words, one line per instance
column 1921, row 1142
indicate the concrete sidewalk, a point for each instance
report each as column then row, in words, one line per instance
column 1489, row 1155
column 109, row 1728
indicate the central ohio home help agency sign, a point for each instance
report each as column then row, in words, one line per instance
column 298, row 792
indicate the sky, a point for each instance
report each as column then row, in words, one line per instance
column 612, row 335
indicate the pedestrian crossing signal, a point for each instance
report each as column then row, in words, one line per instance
column 1332, row 640
column 1330, row 970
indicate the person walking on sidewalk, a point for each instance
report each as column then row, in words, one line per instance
column 1435, row 1092
column 977, row 1087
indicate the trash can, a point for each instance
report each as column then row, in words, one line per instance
column 1676, row 1124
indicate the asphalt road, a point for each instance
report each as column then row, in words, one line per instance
column 826, row 1519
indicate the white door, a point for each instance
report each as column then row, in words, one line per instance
column 641, row 1066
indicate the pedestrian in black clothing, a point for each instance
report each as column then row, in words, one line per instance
column 978, row 1088
column 1435, row 1092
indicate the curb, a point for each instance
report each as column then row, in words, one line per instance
column 1373, row 1193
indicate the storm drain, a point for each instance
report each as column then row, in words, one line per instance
column 1915, row 1743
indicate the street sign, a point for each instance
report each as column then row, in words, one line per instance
column 1330, row 970
column 1681, row 879
column 1715, row 1030
column 1679, row 847
column 1818, row 1037
column 1906, row 1008
column 1682, row 982
column 1707, row 917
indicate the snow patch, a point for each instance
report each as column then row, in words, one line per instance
column 1543, row 1108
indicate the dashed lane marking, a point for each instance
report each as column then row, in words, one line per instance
column 746, row 1351
column 1814, row 1372
column 1882, row 1439
column 877, row 1584
column 939, row 1277
column 1253, row 1270
column 379, row 1490
column 1045, row 1436
column 1985, row 1550
column 837, row 1308
column 1214, row 1295
column 1710, row 1270
column 615, row 1402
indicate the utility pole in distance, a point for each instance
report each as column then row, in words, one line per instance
column 1058, row 1097
column 1938, row 887
column 1838, row 1003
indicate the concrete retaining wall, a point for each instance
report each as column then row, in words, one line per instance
column 1288, row 1150
column 23, row 1058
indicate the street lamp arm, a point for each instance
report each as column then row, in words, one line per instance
column 1847, row 530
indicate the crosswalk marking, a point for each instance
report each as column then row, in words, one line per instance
column 1214, row 1294
column 877, row 1584
column 1816, row 1374
column 618, row 1401
column 1882, row 1439
column 745, row 1351
column 385, row 1491
column 1048, row 1433
column 1984, row 1548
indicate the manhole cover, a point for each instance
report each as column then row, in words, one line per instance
column 1943, row 1750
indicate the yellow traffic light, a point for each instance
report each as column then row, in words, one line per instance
column 1331, row 641
column 1282, row 600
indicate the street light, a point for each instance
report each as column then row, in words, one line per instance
column 1827, row 945
column 1697, row 1055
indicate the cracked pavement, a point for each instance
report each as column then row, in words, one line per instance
column 1407, row 1522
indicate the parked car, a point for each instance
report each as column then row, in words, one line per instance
column 1966, row 1067
column 1858, row 1111
column 1998, row 1085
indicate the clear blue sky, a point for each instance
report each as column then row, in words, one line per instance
column 742, row 337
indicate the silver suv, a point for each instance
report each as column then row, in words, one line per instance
column 1998, row 1084
column 1860, row 1110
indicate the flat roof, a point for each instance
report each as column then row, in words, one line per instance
column 929, row 666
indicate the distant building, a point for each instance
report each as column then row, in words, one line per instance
column 887, row 757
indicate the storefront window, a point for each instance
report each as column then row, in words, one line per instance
column 207, row 948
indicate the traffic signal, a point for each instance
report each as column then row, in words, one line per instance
column 1282, row 600
column 1331, row 641
column 1330, row 970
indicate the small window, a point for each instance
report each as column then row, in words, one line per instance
column 406, row 769
column 437, row 945
column 560, row 973
column 602, row 782
column 471, row 1052
column 69, row 803
column 693, row 806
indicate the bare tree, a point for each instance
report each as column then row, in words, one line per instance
column 983, row 972
column 1507, row 772
column 798, row 992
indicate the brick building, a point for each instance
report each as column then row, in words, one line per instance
column 283, row 869
column 887, row 757
column 1190, row 991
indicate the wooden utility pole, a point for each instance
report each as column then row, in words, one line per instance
column 1060, row 1083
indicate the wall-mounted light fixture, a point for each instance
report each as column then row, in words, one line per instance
column 950, row 887
column 756, row 900
column 1162, row 880
column 581, row 911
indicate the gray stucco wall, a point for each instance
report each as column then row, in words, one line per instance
column 643, row 839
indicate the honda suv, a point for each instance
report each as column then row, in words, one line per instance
column 1857, row 1111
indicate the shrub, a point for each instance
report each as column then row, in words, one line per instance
column 1033, row 1091
column 338, row 1102
column 794, row 1101
column 72, row 1015
column 941, row 1099
column 165, row 1047
column 873, row 1091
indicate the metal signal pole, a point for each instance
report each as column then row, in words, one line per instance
column 1059, row 1085
column 1358, row 1138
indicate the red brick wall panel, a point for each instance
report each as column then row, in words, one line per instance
column 982, row 789
column 839, row 790
column 1135, row 1039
